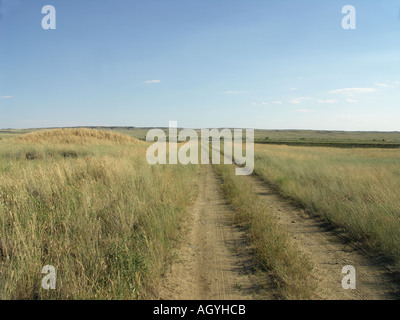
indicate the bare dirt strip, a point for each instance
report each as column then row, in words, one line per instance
column 330, row 251
column 214, row 260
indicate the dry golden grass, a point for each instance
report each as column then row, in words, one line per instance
column 355, row 189
column 98, row 212
column 75, row 136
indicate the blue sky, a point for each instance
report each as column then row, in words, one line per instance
column 284, row 64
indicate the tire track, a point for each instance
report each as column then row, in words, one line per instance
column 330, row 252
column 214, row 261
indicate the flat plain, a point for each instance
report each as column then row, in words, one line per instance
column 86, row 201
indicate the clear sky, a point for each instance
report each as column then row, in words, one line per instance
column 284, row 64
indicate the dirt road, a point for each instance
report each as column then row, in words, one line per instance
column 214, row 260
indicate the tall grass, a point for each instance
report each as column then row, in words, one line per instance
column 355, row 189
column 75, row 136
column 274, row 251
column 96, row 211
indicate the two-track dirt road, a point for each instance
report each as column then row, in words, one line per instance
column 214, row 260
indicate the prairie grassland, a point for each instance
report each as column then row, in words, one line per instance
column 273, row 250
column 88, row 203
column 76, row 136
column 354, row 189
column 316, row 136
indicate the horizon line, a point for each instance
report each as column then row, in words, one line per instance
column 155, row 127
